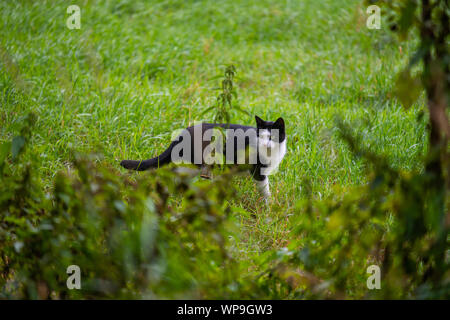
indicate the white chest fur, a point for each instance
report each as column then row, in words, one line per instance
column 278, row 151
column 271, row 153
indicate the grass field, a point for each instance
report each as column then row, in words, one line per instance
column 137, row 70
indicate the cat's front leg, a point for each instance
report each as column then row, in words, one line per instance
column 262, row 182
column 264, row 189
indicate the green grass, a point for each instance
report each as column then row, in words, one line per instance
column 137, row 70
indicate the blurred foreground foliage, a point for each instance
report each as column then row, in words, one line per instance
column 126, row 238
column 167, row 235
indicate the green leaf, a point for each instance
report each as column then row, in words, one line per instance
column 4, row 151
column 227, row 117
column 407, row 88
column 206, row 110
column 215, row 77
column 241, row 110
column 407, row 18
column 417, row 56
column 17, row 145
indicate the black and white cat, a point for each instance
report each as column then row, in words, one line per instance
column 261, row 148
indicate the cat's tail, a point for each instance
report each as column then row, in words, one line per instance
column 156, row 162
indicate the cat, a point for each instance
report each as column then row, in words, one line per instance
column 262, row 148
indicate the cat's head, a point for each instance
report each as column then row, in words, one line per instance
column 269, row 126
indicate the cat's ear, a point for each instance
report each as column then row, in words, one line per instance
column 259, row 121
column 279, row 123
